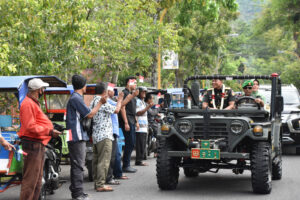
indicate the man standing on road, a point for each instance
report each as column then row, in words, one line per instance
column 76, row 112
column 141, row 133
column 218, row 97
column 115, row 167
column 103, row 137
column 127, row 120
column 36, row 131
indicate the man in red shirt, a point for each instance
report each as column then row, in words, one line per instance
column 36, row 131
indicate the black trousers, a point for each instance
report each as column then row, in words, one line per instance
column 112, row 160
column 77, row 157
column 141, row 139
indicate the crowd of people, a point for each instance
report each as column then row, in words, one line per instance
column 132, row 111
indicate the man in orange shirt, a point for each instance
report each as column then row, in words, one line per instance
column 36, row 131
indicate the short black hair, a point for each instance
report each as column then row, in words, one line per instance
column 78, row 81
column 148, row 96
column 100, row 88
column 128, row 78
column 256, row 81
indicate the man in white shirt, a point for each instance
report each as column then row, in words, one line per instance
column 141, row 132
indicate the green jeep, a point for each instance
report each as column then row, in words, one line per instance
column 246, row 138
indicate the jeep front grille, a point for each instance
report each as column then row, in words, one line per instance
column 214, row 131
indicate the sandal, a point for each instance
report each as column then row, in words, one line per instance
column 122, row 177
column 113, row 182
column 141, row 164
column 104, row 189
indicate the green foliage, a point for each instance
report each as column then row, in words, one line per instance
column 276, row 42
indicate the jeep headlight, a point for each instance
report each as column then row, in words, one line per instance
column 296, row 124
column 184, row 126
column 236, row 126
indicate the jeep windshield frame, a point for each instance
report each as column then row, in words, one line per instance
column 275, row 91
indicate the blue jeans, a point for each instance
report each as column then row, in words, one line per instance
column 129, row 144
column 117, row 169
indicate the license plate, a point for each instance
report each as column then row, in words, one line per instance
column 197, row 153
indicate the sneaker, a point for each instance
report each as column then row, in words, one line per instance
column 82, row 197
column 129, row 169
column 85, row 194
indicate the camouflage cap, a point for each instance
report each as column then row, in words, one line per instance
column 247, row 83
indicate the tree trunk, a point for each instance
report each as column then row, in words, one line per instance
column 154, row 71
column 115, row 76
column 296, row 38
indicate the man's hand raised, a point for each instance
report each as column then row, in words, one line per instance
column 121, row 96
column 135, row 93
column 103, row 99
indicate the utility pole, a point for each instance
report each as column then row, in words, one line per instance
column 159, row 52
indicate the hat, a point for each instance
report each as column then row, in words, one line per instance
column 78, row 82
column 142, row 89
column 247, row 83
column 36, row 83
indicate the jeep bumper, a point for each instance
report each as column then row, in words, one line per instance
column 228, row 155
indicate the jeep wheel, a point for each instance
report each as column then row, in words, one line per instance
column 261, row 168
column 190, row 172
column 277, row 165
column 167, row 169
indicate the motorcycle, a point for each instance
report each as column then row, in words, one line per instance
column 53, row 154
column 151, row 138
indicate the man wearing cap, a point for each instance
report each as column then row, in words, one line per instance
column 248, row 89
column 76, row 112
column 218, row 97
column 141, row 132
column 36, row 131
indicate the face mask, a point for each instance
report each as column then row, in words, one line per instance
column 41, row 94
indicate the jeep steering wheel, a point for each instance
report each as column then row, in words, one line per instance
column 250, row 99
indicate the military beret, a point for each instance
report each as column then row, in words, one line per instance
column 247, row 83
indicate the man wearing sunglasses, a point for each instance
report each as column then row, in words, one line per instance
column 248, row 89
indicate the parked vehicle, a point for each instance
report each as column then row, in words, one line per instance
column 290, row 115
column 13, row 90
column 199, row 141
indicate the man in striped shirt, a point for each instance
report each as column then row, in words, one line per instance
column 142, row 130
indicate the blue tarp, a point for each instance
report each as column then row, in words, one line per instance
column 18, row 84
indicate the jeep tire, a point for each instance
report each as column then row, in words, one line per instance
column 277, row 165
column 167, row 169
column 261, row 168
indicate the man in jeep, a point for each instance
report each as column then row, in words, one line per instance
column 218, row 97
column 248, row 89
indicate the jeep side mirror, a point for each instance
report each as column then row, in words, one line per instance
column 279, row 104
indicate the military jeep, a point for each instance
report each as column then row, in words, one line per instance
column 198, row 140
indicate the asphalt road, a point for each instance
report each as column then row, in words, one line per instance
column 223, row 185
